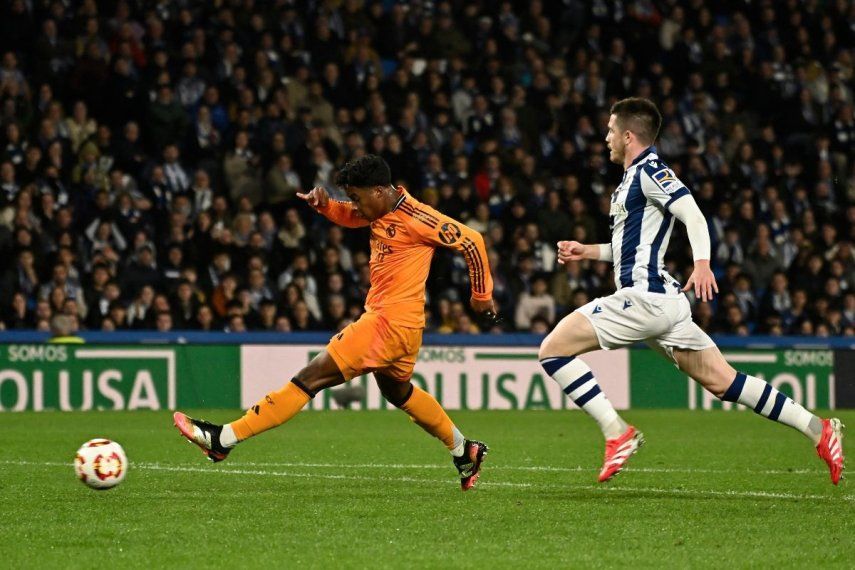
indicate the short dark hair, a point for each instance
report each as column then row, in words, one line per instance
column 365, row 172
column 639, row 116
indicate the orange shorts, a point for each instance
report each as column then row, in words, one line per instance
column 373, row 344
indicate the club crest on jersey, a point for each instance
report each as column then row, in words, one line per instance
column 391, row 230
column 617, row 210
column 449, row 233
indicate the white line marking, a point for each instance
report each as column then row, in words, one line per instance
column 751, row 358
column 509, row 484
column 533, row 468
column 494, row 467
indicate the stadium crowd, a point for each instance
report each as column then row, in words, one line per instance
column 151, row 152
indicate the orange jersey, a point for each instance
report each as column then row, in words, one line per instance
column 402, row 246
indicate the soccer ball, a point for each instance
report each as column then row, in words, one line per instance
column 101, row 464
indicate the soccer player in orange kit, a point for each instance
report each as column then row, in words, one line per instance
column 386, row 339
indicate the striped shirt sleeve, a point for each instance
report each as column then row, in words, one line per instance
column 438, row 230
column 661, row 185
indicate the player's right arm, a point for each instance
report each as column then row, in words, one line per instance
column 439, row 230
column 342, row 213
column 575, row 251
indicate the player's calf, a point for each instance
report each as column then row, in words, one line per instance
column 429, row 415
column 773, row 404
column 577, row 381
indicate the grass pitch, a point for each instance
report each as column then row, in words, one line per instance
column 369, row 489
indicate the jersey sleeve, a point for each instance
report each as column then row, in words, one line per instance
column 661, row 185
column 343, row 213
column 438, row 230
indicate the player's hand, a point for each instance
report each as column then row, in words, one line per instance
column 316, row 198
column 702, row 281
column 480, row 306
column 486, row 310
column 570, row 251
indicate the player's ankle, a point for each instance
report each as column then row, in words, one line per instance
column 228, row 439
column 459, row 443
column 615, row 428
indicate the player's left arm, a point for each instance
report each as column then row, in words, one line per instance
column 660, row 184
column 452, row 234
column 341, row 213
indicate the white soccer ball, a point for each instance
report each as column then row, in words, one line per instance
column 101, row 463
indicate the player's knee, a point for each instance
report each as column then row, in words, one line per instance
column 723, row 375
column 723, row 379
column 311, row 381
column 307, row 382
column 396, row 393
column 550, row 347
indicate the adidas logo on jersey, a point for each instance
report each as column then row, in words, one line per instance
column 597, row 309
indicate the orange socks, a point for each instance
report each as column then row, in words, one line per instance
column 275, row 409
column 278, row 407
column 426, row 411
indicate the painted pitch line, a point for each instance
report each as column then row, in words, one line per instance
column 447, row 482
column 524, row 468
column 535, row 468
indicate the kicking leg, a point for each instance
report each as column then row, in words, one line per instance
column 424, row 410
column 573, row 336
column 273, row 410
column 709, row 368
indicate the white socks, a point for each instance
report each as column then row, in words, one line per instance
column 578, row 382
column 459, row 443
column 773, row 404
column 227, row 437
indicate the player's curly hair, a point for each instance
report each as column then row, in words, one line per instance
column 640, row 116
column 364, row 172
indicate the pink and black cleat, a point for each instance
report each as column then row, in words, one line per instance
column 204, row 434
column 469, row 464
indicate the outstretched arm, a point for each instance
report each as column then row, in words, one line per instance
column 341, row 213
column 575, row 251
column 702, row 279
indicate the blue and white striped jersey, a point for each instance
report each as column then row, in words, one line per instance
column 641, row 224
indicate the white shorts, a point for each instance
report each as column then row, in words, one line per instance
column 629, row 316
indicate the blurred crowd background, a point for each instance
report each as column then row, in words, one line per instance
column 151, row 152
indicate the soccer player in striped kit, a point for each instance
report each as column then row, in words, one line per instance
column 651, row 306
column 386, row 339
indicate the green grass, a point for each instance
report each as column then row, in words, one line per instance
column 369, row 489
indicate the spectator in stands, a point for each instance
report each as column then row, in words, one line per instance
column 537, row 303
column 118, row 122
